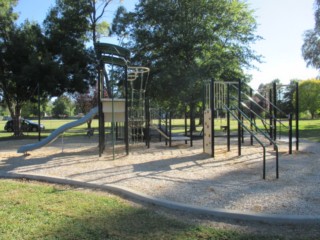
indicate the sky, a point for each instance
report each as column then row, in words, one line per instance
column 281, row 24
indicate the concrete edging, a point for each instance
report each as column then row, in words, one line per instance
column 215, row 212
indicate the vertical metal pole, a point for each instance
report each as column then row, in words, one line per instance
column 212, row 95
column 290, row 133
column 159, row 122
column 113, row 121
column 147, row 130
column 228, row 118
column 277, row 163
column 166, row 128
column 271, row 115
column 170, row 129
column 239, row 117
column 117, row 130
column 251, row 116
column 275, row 111
column 100, row 113
column 204, row 100
column 297, row 116
column 126, row 124
column 191, row 124
column 242, row 131
column 39, row 114
column 186, row 123
column 264, row 163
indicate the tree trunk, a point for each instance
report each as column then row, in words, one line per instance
column 200, row 120
column 89, row 123
column 16, row 121
column 193, row 124
column 312, row 115
column 192, row 117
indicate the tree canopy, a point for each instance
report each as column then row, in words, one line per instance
column 48, row 62
column 62, row 107
column 185, row 42
column 65, row 28
column 311, row 45
column 77, row 24
column 309, row 96
column 25, row 65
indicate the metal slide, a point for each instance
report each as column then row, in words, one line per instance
column 56, row 133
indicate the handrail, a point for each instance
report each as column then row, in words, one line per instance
column 261, row 118
column 255, row 137
column 253, row 101
column 259, row 130
column 264, row 110
column 268, row 101
column 244, row 126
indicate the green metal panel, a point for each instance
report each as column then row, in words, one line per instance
column 114, row 61
column 111, row 49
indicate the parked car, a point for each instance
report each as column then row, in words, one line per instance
column 26, row 126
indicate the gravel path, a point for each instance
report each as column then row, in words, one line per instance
column 184, row 174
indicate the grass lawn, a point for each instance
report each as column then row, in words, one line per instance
column 50, row 125
column 309, row 129
column 30, row 210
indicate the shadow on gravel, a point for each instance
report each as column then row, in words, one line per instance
column 9, row 164
column 196, row 179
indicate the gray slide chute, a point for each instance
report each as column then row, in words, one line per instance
column 56, row 133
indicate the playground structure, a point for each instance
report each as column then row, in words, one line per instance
column 138, row 125
column 161, row 121
column 115, row 106
column 127, row 109
column 236, row 101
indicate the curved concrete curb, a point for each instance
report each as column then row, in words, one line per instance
column 221, row 213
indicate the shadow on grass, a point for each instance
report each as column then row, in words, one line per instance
column 124, row 223
column 311, row 133
column 47, row 212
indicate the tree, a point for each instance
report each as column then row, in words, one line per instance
column 30, row 63
column 86, row 13
column 82, row 18
column 62, row 107
column 31, row 108
column 285, row 96
column 85, row 102
column 309, row 97
column 65, row 28
column 53, row 63
column 185, row 42
column 25, row 65
column 286, row 103
column 311, row 45
column 7, row 16
column 98, row 27
column 75, row 23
